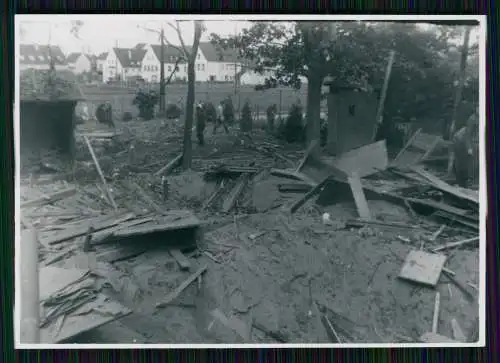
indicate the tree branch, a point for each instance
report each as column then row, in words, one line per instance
column 179, row 35
column 173, row 71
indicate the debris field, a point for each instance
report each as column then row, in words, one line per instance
column 259, row 243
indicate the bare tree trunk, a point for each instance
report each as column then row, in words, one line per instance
column 188, row 125
column 313, row 107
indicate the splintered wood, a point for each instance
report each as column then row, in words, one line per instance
column 359, row 196
column 423, row 267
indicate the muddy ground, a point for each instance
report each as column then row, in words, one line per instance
column 265, row 267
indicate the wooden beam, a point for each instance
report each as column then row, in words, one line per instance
column 29, row 304
column 380, row 110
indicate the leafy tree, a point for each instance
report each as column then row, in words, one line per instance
column 353, row 54
column 228, row 111
column 293, row 128
column 271, row 116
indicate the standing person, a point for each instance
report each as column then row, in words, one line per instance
column 220, row 118
column 200, row 123
column 463, row 150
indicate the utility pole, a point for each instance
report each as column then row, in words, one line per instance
column 235, row 59
column 162, row 71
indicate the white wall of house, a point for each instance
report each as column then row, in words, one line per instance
column 150, row 66
column 111, row 67
column 81, row 65
column 131, row 72
column 253, row 78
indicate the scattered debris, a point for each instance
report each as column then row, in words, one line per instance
column 423, row 267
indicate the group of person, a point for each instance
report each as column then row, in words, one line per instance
column 203, row 116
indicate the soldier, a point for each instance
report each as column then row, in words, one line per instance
column 463, row 150
column 200, row 122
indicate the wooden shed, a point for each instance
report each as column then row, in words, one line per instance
column 351, row 118
column 47, row 105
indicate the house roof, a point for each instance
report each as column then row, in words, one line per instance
column 102, row 56
column 34, row 54
column 212, row 54
column 140, row 46
column 170, row 54
column 73, row 57
column 130, row 58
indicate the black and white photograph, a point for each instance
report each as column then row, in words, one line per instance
column 254, row 181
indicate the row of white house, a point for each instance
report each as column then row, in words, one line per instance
column 143, row 61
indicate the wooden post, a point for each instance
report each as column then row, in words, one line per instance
column 458, row 96
column 30, row 305
column 380, row 110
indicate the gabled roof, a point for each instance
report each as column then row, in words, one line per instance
column 102, row 56
column 34, row 54
column 212, row 54
column 130, row 58
column 73, row 57
column 170, row 54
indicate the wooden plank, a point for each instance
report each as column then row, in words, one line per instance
column 435, row 316
column 104, row 235
column 276, row 335
column 292, row 174
column 133, row 231
column 294, row 188
column 83, row 320
column 443, row 186
column 313, row 144
column 359, row 197
column 314, row 191
column 235, row 193
column 436, row 205
column 423, row 267
column 46, row 199
column 365, row 161
column 181, row 287
column 30, row 288
column 385, row 86
column 170, row 166
column 82, row 230
column 456, row 244
column 407, row 145
column 332, row 333
column 182, row 260
column 101, row 175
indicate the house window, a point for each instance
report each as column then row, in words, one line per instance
column 199, row 56
column 185, row 68
column 203, row 67
column 226, row 77
column 40, row 58
column 212, row 78
column 155, row 68
column 198, row 66
column 169, row 68
column 177, row 69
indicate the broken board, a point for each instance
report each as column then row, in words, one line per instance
column 181, row 259
column 359, row 197
column 423, row 267
column 365, row 160
column 85, row 318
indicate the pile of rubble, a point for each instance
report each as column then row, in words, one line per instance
column 259, row 243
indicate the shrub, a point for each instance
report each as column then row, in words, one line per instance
column 146, row 102
column 228, row 111
column 173, row 112
column 271, row 117
column 104, row 113
column 246, row 118
column 127, row 116
column 293, row 128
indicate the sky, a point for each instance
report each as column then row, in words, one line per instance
column 99, row 33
